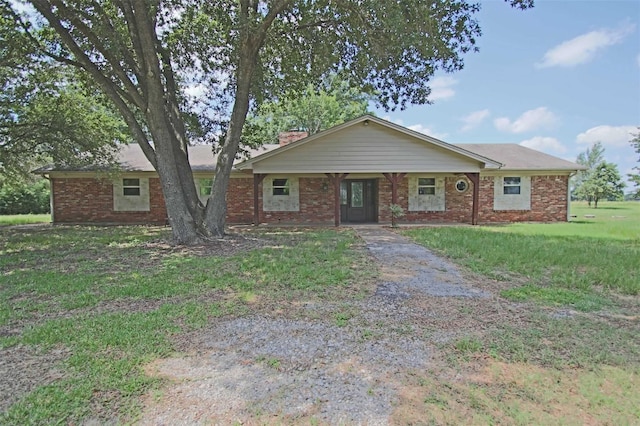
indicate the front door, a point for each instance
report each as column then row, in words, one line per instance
column 358, row 200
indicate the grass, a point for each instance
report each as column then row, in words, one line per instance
column 576, row 358
column 117, row 298
column 24, row 219
column 579, row 257
column 114, row 297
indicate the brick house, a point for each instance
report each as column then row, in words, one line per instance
column 351, row 173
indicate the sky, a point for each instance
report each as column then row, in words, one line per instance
column 556, row 78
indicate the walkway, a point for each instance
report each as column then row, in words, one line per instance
column 408, row 267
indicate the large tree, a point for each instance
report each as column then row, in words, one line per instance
column 142, row 53
column 45, row 113
column 590, row 158
column 602, row 184
column 635, row 177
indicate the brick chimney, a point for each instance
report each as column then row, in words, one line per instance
column 285, row 138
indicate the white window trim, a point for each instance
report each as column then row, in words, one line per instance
column 286, row 186
column 506, row 185
column 429, row 186
column 125, row 187
column 427, row 202
column 131, row 203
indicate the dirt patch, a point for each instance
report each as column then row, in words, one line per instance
column 23, row 368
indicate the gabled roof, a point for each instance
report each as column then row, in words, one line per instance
column 486, row 161
column 518, row 157
column 484, row 156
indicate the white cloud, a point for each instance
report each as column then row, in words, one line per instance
column 608, row 135
column 427, row 131
column 583, row 48
column 545, row 143
column 474, row 119
column 538, row 118
column 442, row 88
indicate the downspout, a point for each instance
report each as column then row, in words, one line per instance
column 44, row 175
column 569, row 195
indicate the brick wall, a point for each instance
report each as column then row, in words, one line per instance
column 91, row 201
column 78, row 200
column 548, row 201
column 316, row 204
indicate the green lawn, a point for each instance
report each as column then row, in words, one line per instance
column 559, row 262
column 113, row 299
column 114, row 296
column 24, row 219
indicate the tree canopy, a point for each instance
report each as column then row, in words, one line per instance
column 590, row 158
column 46, row 115
column 311, row 111
column 604, row 182
column 162, row 62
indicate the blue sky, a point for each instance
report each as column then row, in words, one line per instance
column 556, row 78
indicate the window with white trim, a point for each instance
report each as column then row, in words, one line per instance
column 131, row 187
column 511, row 185
column 280, row 187
column 426, row 186
column 204, row 187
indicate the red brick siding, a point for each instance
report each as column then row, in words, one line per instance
column 457, row 205
column 240, row 200
column 316, row 204
column 79, row 200
column 91, row 201
column 548, row 201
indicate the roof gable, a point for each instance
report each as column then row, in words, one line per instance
column 368, row 144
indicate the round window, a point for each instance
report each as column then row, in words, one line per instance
column 462, row 185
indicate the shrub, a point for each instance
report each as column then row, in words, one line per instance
column 25, row 198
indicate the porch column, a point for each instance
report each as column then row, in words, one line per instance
column 475, row 179
column 395, row 179
column 336, row 179
column 257, row 180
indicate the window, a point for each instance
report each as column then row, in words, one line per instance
column 511, row 186
column 131, row 187
column 280, row 187
column 426, row 186
column 462, row 185
column 204, row 187
column 343, row 193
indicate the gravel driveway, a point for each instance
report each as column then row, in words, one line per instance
column 340, row 362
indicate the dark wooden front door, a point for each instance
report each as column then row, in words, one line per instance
column 358, row 201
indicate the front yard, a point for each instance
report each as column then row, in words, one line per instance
column 85, row 312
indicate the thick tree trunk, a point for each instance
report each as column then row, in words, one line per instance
column 216, row 209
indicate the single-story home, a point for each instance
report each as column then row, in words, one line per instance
column 351, row 173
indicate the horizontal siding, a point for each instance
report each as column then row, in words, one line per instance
column 365, row 149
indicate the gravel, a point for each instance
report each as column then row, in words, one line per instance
column 333, row 362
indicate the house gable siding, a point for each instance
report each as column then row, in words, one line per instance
column 363, row 149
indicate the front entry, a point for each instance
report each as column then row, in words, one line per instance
column 358, row 200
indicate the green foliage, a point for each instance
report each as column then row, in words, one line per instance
column 25, row 198
column 311, row 111
column 45, row 114
column 603, row 183
column 397, row 212
column 590, row 159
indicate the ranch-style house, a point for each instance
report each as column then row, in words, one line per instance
column 351, row 173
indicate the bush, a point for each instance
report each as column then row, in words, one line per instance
column 26, row 198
